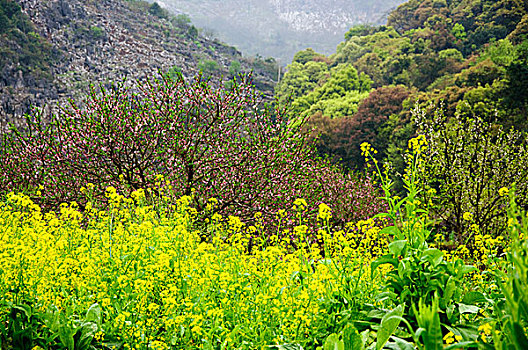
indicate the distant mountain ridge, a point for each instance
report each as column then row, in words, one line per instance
column 83, row 42
column 279, row 28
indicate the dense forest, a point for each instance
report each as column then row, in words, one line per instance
column 469, row 57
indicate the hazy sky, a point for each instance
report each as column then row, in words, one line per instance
column 279, row 28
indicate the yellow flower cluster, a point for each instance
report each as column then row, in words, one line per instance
column 450, row 338
column 159, row 284
column 417, row 145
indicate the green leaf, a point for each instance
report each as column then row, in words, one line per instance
column 66, row 334
column 404, row 268
column 94, row 314
column 386, row 259
column 88, row 331
column 397, row 247
column 474, row 297
column 429, row 322
column 519, row 336
column 468, row 309
column 389, row 323
column 351, row 338
column 401, row 344
column 390, row 230
column 333, row 343
column 24, row 309
column 449, row 290
column 463, row 269
column 433, row 256
column 289, row 347
column 461, row 345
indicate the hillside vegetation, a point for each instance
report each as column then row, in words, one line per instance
column 463, row 63
column 472, row 55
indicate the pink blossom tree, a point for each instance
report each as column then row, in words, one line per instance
column 213, row 143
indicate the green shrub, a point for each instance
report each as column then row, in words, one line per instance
column 208, row 67
column 234, row 68
column 157, row 11
column 469, row 164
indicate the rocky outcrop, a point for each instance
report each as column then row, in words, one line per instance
column 104, row 41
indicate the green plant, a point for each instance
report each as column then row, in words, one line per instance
column 96, row 32
column 348, row 338
column 27, row 327
column 234, row 68
column 181, row 21
column 174, row 72
column 512, row 313
column 156, row 10
column 420, row 275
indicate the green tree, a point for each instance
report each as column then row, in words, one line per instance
column 468, row 162
column 181, row 21
column 157, row 10
column 338, row 96
column 458, row 31
column 300, row 79
column 305, row 56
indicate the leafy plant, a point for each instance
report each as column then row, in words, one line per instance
column 208, row 67
column 512, row 313
column 28, row 327
column 419, row 275
column 348, row 338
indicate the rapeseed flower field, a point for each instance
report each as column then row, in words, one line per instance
column 133, row 276
column 145, row 271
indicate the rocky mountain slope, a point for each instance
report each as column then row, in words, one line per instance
column 83, row 42
column 279, row 28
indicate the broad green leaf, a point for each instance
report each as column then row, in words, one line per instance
column 463, row 269
column 401, row 344
column 466, row 331
column 386, row 259
column 433, row 339
column 474, row 297
column 433, row 256
column 24, row 309
column 519, row 336
column 94, row 314
column 88, row 331
column 351, row 338
column 397, row 247
column 333, row 343
column 390, row 230
column 429, row 322
column 449, row 290
column 468, row 309
column 389, row 323
column 403, row 268
column 365, row 336
column 66, row 337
